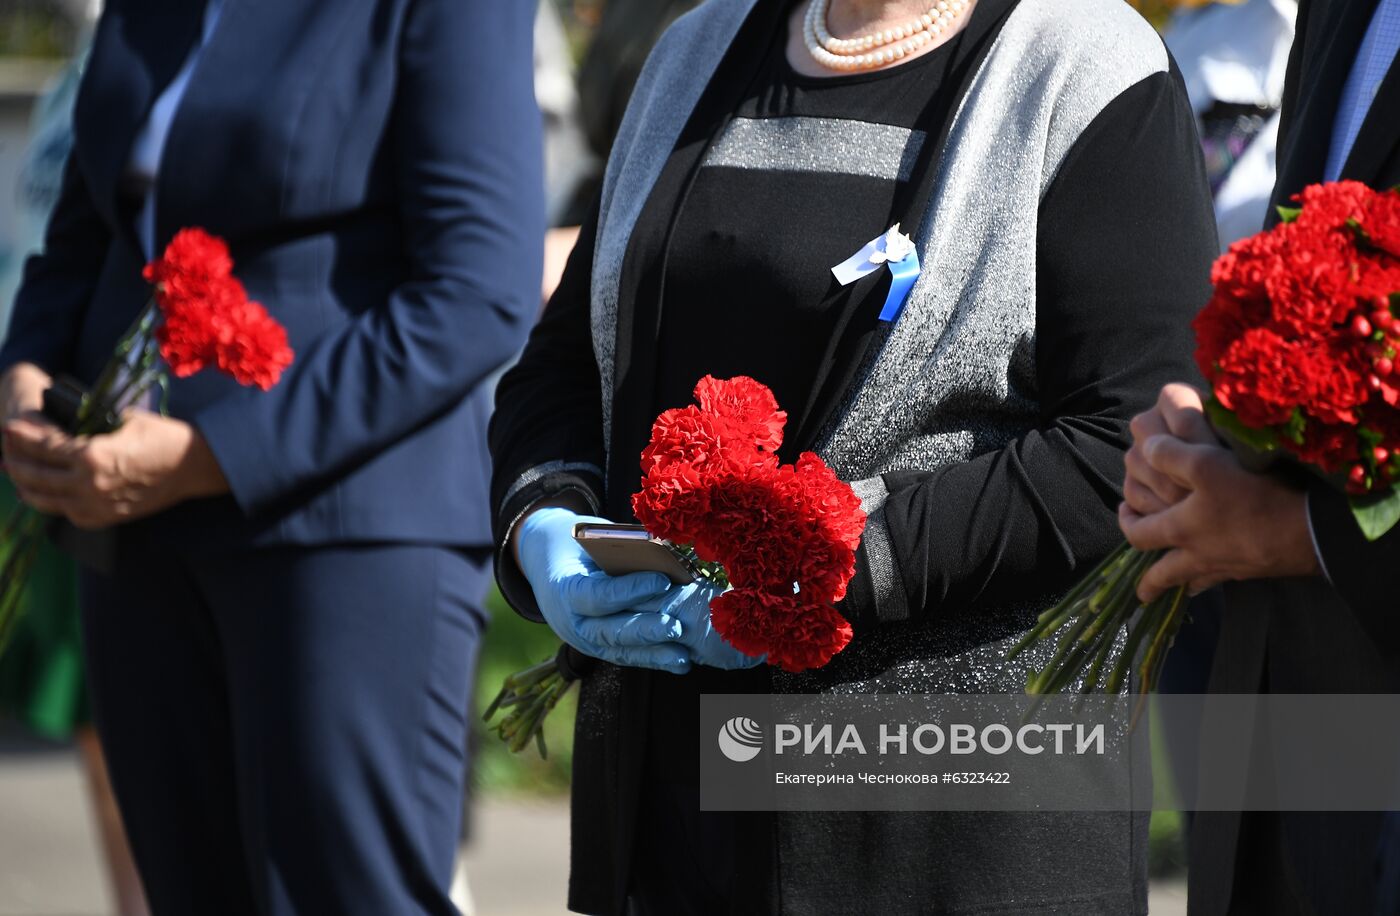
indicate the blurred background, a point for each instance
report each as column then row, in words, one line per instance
column 61, row 850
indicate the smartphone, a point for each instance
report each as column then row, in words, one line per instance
column 622, row 549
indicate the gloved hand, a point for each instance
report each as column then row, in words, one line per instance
column 690, row 604
column 598, row 614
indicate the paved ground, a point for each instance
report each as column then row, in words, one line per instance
column 49, row 865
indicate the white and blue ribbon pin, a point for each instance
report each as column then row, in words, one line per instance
column 892, row 248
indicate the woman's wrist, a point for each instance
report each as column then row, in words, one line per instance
column 573, row 503
column 22, row 389
column 198, row 473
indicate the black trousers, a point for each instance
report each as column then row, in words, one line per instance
column 286, row 727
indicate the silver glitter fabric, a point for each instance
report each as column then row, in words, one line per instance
column 835, row 146
column 541, row 471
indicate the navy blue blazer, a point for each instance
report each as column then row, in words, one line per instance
column 375, row 166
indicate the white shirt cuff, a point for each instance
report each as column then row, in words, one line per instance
column 1312, row 536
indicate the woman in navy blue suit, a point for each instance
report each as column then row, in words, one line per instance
column 282, row 659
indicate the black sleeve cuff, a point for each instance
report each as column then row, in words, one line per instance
column 876, row 593
column 532, row 487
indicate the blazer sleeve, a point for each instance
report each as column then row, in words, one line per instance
column 1124, row 247
column 1361, row 571
column 59, row 281
column 465, row 138
column 546, row 434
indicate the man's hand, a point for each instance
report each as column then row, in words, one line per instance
column 1179, row 412
column 1226, row 522
column 149, row 464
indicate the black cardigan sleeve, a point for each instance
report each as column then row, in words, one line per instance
column 547, row 432
column 1125, row 242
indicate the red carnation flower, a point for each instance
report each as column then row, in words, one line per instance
column 1260, row 378
column 794, row 635
column 1333, row 205
column 1335, row 374
column 191, row 272
column 252, row 345
column 1311, row 280
column 208, row 318
column 1382, row 222
column 749, row 404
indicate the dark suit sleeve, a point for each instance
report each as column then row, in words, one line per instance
column 466, row 141
column 1125, row 243
column 58, row 282
column 1362, row 571
column 546, row 434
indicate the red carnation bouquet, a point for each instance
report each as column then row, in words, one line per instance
column 781, row 539
column 199, row 315
column 1299, row 344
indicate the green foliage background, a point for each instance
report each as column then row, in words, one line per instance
column 513, row 643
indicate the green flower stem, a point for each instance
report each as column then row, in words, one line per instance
column 141, row 331
column 1051, row 620
column 1098, row 619
column 1091, row 680
column 1040, row 682
column 1145, row 624
column 528, row 697
column 1164, row 639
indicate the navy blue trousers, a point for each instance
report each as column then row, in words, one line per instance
column 286, row 727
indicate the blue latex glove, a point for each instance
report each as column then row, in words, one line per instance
column 597, row 614
column 690, row 604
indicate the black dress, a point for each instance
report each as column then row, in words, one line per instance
column 745, row 292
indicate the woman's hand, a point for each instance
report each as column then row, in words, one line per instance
column 690, row 604
column 597, row 614
column 149, row 464
column 22, row 390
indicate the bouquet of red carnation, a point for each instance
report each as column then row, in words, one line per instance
column 783, row 537
column 780, row 538
column 199, row 315
column 1299, row 345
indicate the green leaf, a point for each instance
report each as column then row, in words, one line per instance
column 1359, row 231
column 1289, row 214
column 1260, row 440
column 1376, row 513
column 1296, row 426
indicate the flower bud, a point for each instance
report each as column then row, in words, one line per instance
column 1360, row 326
column 1381, row 454
column 1384, row 366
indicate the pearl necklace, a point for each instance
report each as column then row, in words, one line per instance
column 878, row 49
